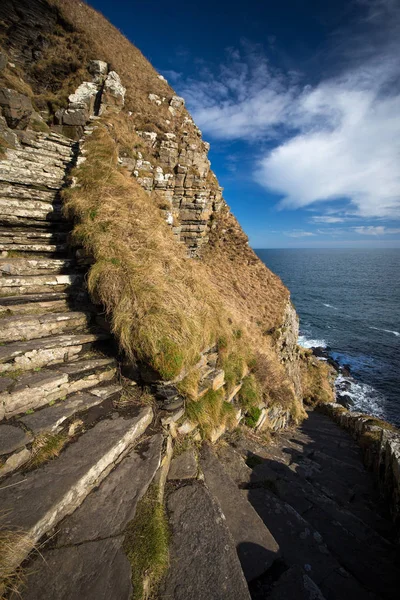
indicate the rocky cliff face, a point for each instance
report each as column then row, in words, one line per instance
column 59, row 75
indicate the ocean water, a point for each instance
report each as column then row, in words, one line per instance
column 349, row 300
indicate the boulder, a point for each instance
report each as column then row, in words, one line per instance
column 17, row 108
column 113, row 96
column 84, row 97
column 98, row 69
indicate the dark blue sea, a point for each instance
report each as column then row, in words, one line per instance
column 349, row 300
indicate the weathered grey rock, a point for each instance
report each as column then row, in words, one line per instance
column 28, row 327
column 15, row 461
column 203, row 559
column 257, row 549
column 39, row 500
column 97, row 570
column 99, row 69
column 7, row 134
column 83, row 97
column 112, row 98
column 12, row 438
column 33, row 390
column 117, row 497
column 184, row 466
column 51, row 418
column 42, row 352
column 75, row 116
column 17, row 108
column 294, row 584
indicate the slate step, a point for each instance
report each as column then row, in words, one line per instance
column 30, row 212
column 11, row 301
column 301, row 545
column 28, row 327
column 35, row 248
column 21, row 192
column 203, row 559
column 38, row 353
column 50, row 576
column 346, row 536
column 35, row 266
column 30, row 391
column 28, row 308
column 37, row 501
column 52, row 419
column 38, row 284
column 256, row 547
column 295, row 584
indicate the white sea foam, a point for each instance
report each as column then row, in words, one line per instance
column 330, row 306
column 305, row 342
column 396, row 333
column 364, row 397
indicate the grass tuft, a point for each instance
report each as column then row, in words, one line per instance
column 146, row 544
column 14, row 547
column 45, row 447
column 211, row 411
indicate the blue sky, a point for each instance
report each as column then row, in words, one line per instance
column 300, row 100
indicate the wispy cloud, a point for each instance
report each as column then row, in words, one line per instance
column 379, row 230
column 298, row 233
column 337, row 140
column 327, row 219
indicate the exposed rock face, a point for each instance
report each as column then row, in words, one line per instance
column 288, row 348
column 16, row 108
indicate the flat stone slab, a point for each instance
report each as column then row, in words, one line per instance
column 108, row 509
column 203, row 558
column 97, row 570
column 256, row 547
column 39, row 500
column 51, row 418
column 294, row 584
column 184, row 466
column 12, row 438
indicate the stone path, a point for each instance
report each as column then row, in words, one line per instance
column 314, row 495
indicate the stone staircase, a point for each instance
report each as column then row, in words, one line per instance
column 59, row 379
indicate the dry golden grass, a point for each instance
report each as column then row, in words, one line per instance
column 15, row 545
column 45, row 447
column 162, row 308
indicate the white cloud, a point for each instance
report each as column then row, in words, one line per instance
column 378, row 230
column 298, row 233
column 339, row 139
column 327, row 219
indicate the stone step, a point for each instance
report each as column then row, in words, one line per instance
column 37, row 501
column 203, row 559
column 14, row 212
column 301, row 545
column 52, row 419
column 38, row 266
column 45, row 302
column 295, row 584
column 256, row 547
column 23, row 193
column 32, row 177
column 38, row 284
column 357, row 547
column 31, row 391
column 42, row 155
column 34, row 248
column 31, row 326
column 32, row 235
column 39, row 353
column 88, row 561
column 28, row 308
